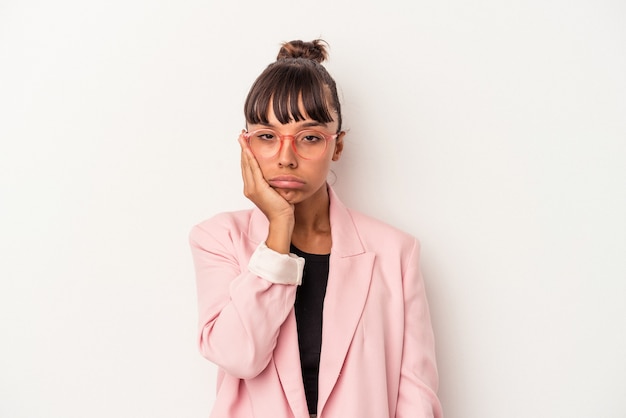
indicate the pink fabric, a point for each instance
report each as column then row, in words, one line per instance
column 378, row 356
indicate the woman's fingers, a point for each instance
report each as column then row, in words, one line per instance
column 250, row 170
column 257, row 189
column 253, row 180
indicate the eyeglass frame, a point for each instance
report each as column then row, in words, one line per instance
column 282, row 138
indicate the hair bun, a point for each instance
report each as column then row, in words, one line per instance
column 314, row 50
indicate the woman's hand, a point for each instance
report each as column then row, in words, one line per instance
column 278, row 211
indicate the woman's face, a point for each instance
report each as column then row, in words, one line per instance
column 297, row 179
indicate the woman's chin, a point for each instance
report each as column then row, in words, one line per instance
column 290, row 195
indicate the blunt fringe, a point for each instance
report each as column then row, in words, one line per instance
column 283, row 83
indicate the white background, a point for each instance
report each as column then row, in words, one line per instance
column 495, row 131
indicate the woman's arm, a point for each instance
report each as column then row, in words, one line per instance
column 417, row 397
column 240, row 313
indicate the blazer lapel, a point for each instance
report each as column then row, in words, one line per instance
column 287, row 360
column 348, row 285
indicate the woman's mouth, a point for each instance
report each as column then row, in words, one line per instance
column 286, row 182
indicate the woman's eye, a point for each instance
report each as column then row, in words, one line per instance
column 265, row 136
column 311, row 138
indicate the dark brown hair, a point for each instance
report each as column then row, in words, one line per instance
column 296, row 73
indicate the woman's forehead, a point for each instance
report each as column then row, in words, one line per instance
column 303, row 119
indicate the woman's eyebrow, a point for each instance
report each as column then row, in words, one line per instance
column 313, row 123
column 304, row 125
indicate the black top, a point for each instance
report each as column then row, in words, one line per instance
column 309, row 306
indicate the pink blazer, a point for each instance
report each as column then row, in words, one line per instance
column 378, row 355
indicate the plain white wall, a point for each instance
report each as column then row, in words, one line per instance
column 493, row 130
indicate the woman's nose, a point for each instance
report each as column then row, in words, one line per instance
column 286, row 154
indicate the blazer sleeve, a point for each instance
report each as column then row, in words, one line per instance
column 240, row 313
column 417, row 396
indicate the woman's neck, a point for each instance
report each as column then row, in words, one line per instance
column 311, row 232
column 312, row 214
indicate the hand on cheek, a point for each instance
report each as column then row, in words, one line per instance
column 257, row 189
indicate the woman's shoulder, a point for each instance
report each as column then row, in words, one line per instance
column 376, row 232
column 224, row 224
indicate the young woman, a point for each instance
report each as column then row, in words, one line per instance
column 309, row 308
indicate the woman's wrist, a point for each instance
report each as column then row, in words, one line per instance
column 279, row 235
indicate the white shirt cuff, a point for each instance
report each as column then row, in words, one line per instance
column 276, row 267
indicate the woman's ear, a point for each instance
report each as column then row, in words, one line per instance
column 338, row 146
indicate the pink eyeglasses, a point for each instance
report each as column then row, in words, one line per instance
column 308, row 144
